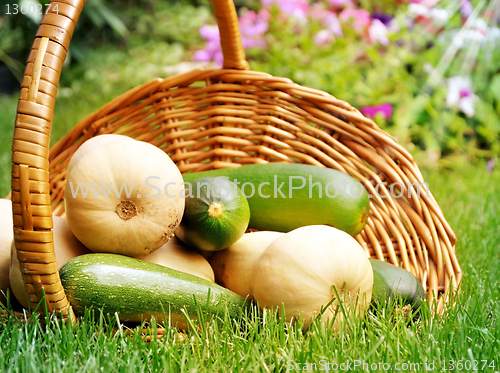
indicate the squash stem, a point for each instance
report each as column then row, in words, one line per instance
column 126, row 210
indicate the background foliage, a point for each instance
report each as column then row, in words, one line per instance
column 121, row 44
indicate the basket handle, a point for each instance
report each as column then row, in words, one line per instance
column 230, row 38
column 31, row 205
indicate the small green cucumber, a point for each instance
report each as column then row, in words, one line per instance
column 286, row 196
column 139, row 290
column 216, row 215
column 391, row 282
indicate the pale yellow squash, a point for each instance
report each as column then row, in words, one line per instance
column 302, row 269
column 92, row 144
column 66, row 247
column 175, row 255
column 6, row 236
column 234, row 266
column 124, row 197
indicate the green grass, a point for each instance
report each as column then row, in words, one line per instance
column 7, row 120
column 468, row 331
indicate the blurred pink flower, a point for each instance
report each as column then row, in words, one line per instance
column 296, row 8
column 328, row 19
column 341, row 3
column 385, row 110
column 253, row 26
column 317, row 11
column 209, row 32
column 323, row 37
column 466, row 8
column 332, row 22
column 377, row 32
column 212, row 50
column 359, row 18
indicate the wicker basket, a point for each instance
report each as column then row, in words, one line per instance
column 218, row 118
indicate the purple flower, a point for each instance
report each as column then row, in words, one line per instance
column 203, row 55
column 490, row 166
column 210, row 32
column 385, row 110
column 212, row 51
column 465, row 93
column 384, row 18
column 466, row 8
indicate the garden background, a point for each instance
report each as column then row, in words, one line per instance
column 428, row 72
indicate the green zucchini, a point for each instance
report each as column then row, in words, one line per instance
column 284, row 196
column 391, row 282
column 139, row 290
column 216, row 215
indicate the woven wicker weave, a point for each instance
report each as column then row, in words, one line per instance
column 218, row 118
